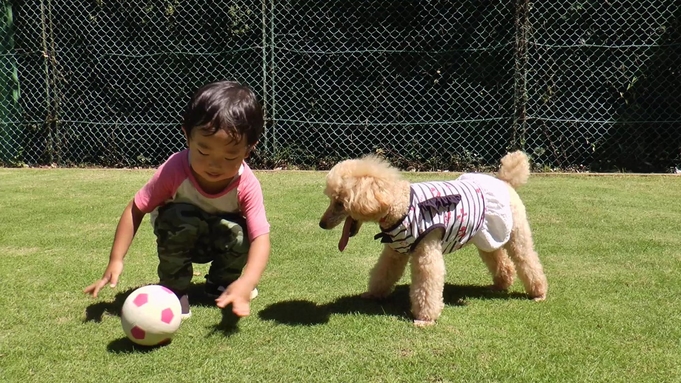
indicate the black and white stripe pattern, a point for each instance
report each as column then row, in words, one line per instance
column 457, row 206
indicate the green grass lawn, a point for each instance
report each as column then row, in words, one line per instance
column 610, row 247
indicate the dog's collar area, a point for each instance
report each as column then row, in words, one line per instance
column 384, row 237
column 383, row 222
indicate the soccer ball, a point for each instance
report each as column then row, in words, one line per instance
column 151, row 315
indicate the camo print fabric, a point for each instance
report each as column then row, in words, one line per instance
column 186, row 234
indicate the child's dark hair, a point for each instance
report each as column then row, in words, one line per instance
column 225, row 105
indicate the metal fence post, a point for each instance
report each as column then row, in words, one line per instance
column 520, row 99
column 9, row 108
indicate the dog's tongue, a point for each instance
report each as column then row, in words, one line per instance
column 346, row 234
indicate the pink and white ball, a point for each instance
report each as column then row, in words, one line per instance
column 151, row 315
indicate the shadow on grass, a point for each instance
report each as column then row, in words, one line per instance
column 126, row 346
column 228, row 326
column 96, row 311
column 306, row 313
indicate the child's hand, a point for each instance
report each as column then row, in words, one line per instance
column 111, row 274
column 239, row 295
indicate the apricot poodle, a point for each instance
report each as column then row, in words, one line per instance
column 420, row 222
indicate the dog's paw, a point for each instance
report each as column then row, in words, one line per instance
column 423, row 323
column 539, row 298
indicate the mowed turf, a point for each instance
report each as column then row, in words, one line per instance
column 610, row 246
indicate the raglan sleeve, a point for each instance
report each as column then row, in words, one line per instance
column 252, row 205
column 162, row 185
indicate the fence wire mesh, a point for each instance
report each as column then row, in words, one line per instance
column 431, row 85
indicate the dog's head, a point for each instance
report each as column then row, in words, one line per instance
column 359, row 190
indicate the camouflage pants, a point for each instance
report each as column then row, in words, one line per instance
column 186, row 234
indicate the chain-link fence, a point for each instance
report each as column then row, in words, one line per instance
column 587, row 84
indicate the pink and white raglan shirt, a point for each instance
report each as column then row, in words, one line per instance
column 174, row 182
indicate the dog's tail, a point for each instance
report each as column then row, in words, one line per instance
column 515, row 169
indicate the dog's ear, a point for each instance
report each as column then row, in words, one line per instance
column 368, row 198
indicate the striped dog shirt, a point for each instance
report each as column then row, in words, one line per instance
column 456, row 206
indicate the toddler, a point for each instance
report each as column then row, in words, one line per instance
column 205, row 204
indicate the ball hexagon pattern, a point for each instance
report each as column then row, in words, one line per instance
column 141, row 299
column 151, row 315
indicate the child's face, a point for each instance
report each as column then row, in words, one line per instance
column 215, row 159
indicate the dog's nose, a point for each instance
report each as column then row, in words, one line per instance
column 322, row 224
